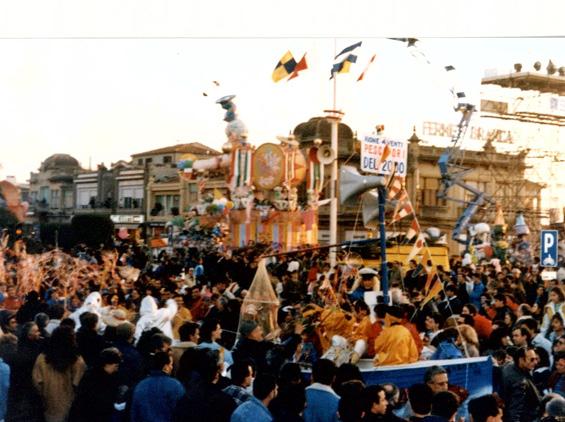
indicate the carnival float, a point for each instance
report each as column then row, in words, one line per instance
column 262, row 204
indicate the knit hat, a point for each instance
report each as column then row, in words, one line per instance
column 246, row 327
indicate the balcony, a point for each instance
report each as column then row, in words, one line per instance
column 130, row 203
column 89, row 210
column 39, row 206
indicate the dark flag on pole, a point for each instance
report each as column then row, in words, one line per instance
column 348, row 49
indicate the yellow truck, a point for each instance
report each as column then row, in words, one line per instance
column 370, row 255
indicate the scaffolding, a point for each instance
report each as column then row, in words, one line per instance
column 534, row 112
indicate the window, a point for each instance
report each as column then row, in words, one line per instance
column 192, row 193
column 148, row 160
column 140, row 161
column 55, row 199
column 428, row 193
column 68, row 199
column 44, row 194
column 167, row 202
column 130, row 197
column 85, row 195
column 167, row 159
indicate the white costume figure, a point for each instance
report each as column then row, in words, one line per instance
column 92, row 303
column 151, row 316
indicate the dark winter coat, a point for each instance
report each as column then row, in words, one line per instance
column 520, row 395
column 95, row 397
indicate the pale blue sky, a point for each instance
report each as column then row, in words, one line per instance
column 88, row 91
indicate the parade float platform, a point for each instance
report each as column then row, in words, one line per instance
column 288, row 229
column 473, row 374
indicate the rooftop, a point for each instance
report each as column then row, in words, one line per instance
column 59, row 160
column 529, row 80
column 191, row 148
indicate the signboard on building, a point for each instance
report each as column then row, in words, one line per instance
column 548, row 248
column 127, row 219
column 372, row 149
column 447, row 130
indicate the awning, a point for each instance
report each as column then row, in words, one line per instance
column 158, row 243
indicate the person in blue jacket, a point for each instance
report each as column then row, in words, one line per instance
column 156, row 397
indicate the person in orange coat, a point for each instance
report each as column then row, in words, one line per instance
column 361, row 329
column 409, row 310
column 395, row 345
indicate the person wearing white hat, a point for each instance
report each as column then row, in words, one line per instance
column 368, row 281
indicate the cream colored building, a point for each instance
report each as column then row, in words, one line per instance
column 51, row 189
column 530, row 106
column 165, row 187
column 501, row 175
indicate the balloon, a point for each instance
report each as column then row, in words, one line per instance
column 229, row 205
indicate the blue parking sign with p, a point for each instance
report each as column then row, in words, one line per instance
column 548, row 248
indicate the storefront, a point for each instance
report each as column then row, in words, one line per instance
column 128, row 224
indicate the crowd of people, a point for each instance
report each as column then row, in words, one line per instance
column 162, row 338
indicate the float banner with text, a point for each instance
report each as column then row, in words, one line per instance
column 372, row 160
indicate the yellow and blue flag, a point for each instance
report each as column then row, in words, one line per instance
column 344, row 65
column 284, row 67
column 344, row 59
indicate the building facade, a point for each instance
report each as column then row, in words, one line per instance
column 166, row 193
column 52, row 189
column 501, row 175
column 529, row 105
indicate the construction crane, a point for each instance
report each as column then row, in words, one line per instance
column 450, row 161
column 452, row 173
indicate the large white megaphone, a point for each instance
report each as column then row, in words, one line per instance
column 352, row 183
column 325, row 154
column 370, row 207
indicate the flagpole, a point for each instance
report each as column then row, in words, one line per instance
column 335, row 82
column 382, row 240
column 334, row 116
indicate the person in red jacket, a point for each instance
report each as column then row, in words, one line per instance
column 482, row 325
